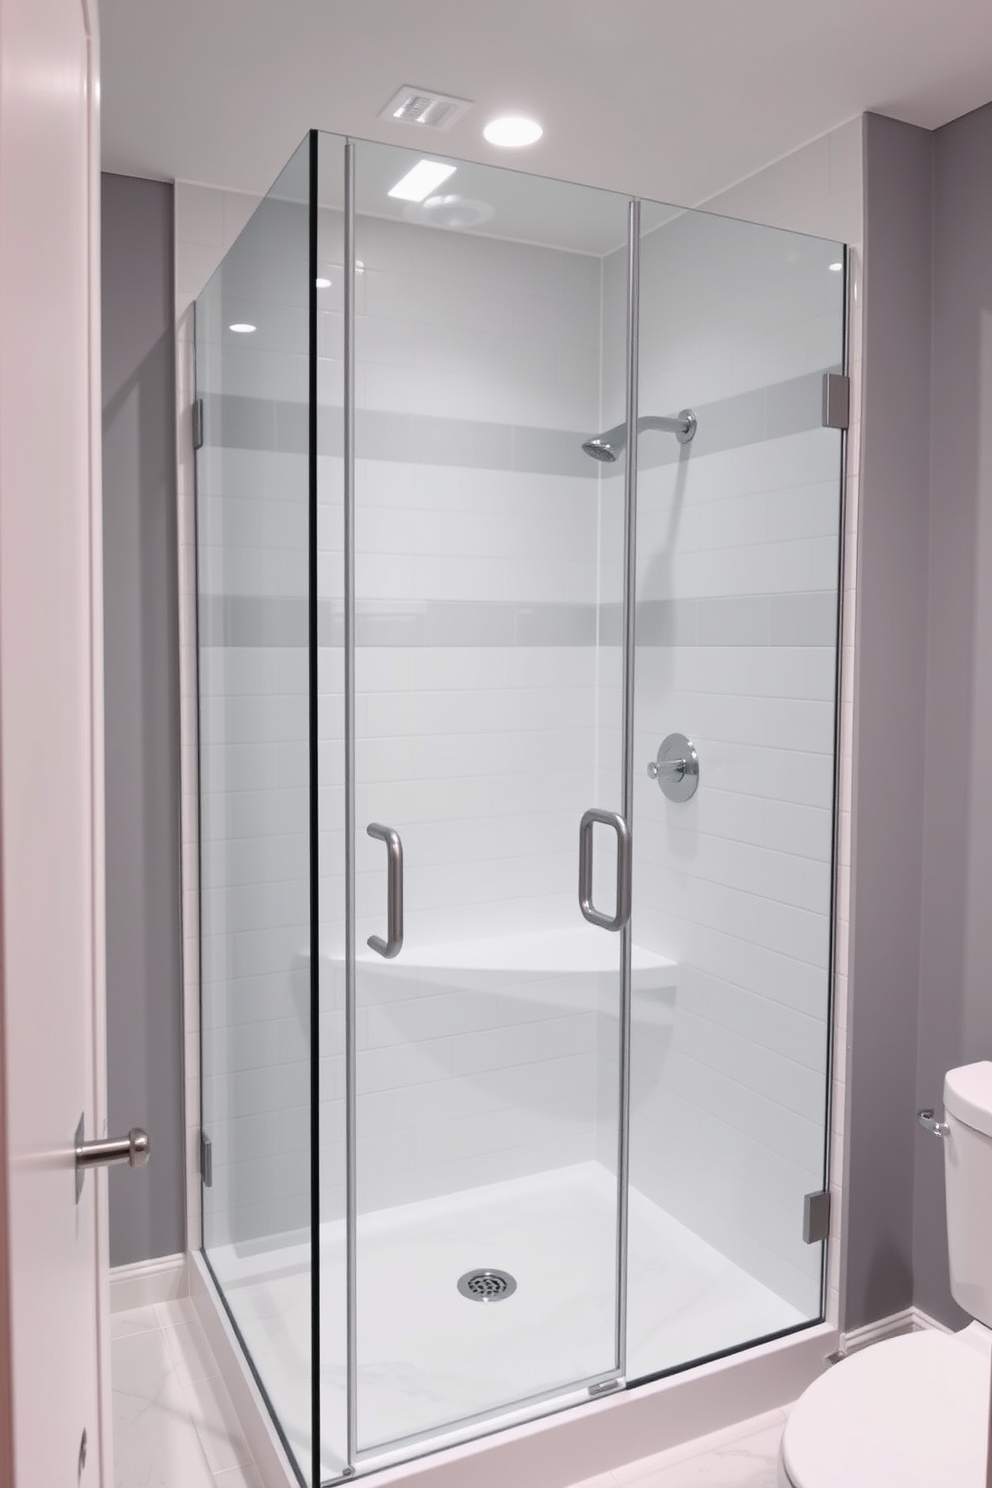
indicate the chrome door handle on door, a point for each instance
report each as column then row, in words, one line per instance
column 594, row 916
column 393, row 943
column 134, row 1149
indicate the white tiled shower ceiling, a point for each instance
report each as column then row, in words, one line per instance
column 487, row 721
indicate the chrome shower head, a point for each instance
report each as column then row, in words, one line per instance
column 599, row 450
column 607, row 447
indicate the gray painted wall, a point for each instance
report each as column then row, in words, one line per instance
column 921, row 950
column 956, row 965
column 887, row 845
column 144, row 981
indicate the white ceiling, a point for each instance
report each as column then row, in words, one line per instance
column 673, row 101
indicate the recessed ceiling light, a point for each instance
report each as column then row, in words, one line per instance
column 836, row 267
column 242, row 327
column 425, row 178
column 323, row 283
column 512, row 132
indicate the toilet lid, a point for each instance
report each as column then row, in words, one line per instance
column 911, row 1412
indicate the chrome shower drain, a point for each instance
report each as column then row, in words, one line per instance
column 487, row 1286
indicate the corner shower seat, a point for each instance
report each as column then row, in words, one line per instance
column 573, row 968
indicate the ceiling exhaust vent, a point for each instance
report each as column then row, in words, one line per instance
column 420, row 106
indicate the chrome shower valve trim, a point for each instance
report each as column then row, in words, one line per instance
column 676, row 768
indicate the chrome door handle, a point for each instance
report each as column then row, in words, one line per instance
column 592, row 914
column 393, row 943
column 134, row 1149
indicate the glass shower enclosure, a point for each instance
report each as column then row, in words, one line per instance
column 518, row 547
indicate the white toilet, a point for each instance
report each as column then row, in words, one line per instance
column 913, row 1412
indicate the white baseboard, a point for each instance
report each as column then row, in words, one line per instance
column 164, row 1279
column 910, row 1320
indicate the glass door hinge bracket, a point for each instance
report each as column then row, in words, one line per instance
column 836, row 400
column 816, row 1217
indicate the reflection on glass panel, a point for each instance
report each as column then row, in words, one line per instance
column 253, row 565
column 737, row 603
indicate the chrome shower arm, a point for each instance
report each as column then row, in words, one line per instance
column 684, row 426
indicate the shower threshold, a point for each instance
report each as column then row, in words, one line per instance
column 428, row 1360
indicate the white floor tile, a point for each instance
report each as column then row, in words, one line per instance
column 191, row 1354
column 744, row 1456
column 238, row 1477
column 174, row 1424
column 218, row 1427
column 137, row 1320
column 156, row 1444
column 171, row 1314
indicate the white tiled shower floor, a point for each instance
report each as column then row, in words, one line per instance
column 428, row 1357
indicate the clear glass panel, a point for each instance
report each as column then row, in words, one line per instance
column 253, row 549
column 737, row 606
column 329, row 427
column 488, row 1047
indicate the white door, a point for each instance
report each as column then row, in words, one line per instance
column 53, row 1383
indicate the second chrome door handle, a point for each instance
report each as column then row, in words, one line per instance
column 592, row 914
column 393, row 943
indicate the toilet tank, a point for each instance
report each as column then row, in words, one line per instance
column 968, row 1174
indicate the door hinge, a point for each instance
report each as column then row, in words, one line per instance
column 836, row 400
column 198, row 423
column 206, row 1160
column 816, row 1217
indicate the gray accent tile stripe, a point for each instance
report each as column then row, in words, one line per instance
column 771, row 412
column 740, row 620
column 745, row 620
column 234, row 422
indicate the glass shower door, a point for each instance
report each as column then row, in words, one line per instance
column 487, row 681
